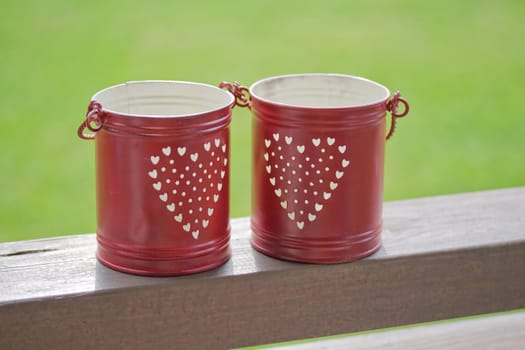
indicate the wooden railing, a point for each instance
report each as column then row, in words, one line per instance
column 442, row 257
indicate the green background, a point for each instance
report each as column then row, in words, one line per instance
column 461, row 65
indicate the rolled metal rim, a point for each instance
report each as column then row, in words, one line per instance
column 163, row 99
column 319, row 90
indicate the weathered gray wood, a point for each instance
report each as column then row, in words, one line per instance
column 490, row 332
column 442, row 257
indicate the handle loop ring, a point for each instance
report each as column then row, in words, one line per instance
column 241, row 93
column 393, row 106
column 93, row 121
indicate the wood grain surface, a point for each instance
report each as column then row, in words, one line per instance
column 442, row 257
column 489, row 332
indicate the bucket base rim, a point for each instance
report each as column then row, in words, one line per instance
column 157, row 264
column 276, row 248
column 163, row 273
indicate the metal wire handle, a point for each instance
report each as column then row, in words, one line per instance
column 241, row 93
column 392, row 106
column 243, row 99
column 94, row 121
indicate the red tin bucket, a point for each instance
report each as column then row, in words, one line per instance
column 162, row 153
column 318, row 154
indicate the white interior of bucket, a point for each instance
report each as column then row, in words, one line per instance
column 163, row 98
column 319, row 90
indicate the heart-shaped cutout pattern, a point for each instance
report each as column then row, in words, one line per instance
column 153, row 174
column 304, row 174
column 189, row 182
column 166, row 151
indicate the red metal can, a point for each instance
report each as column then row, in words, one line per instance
column 318, row 157
column 162, row 153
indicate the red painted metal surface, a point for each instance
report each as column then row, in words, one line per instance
column 318, row 155
column 162, row 159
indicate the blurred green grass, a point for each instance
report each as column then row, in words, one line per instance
column 461, row 64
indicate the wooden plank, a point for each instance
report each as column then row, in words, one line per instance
column 489, row 332
column 442, row 257
column 60, row 266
